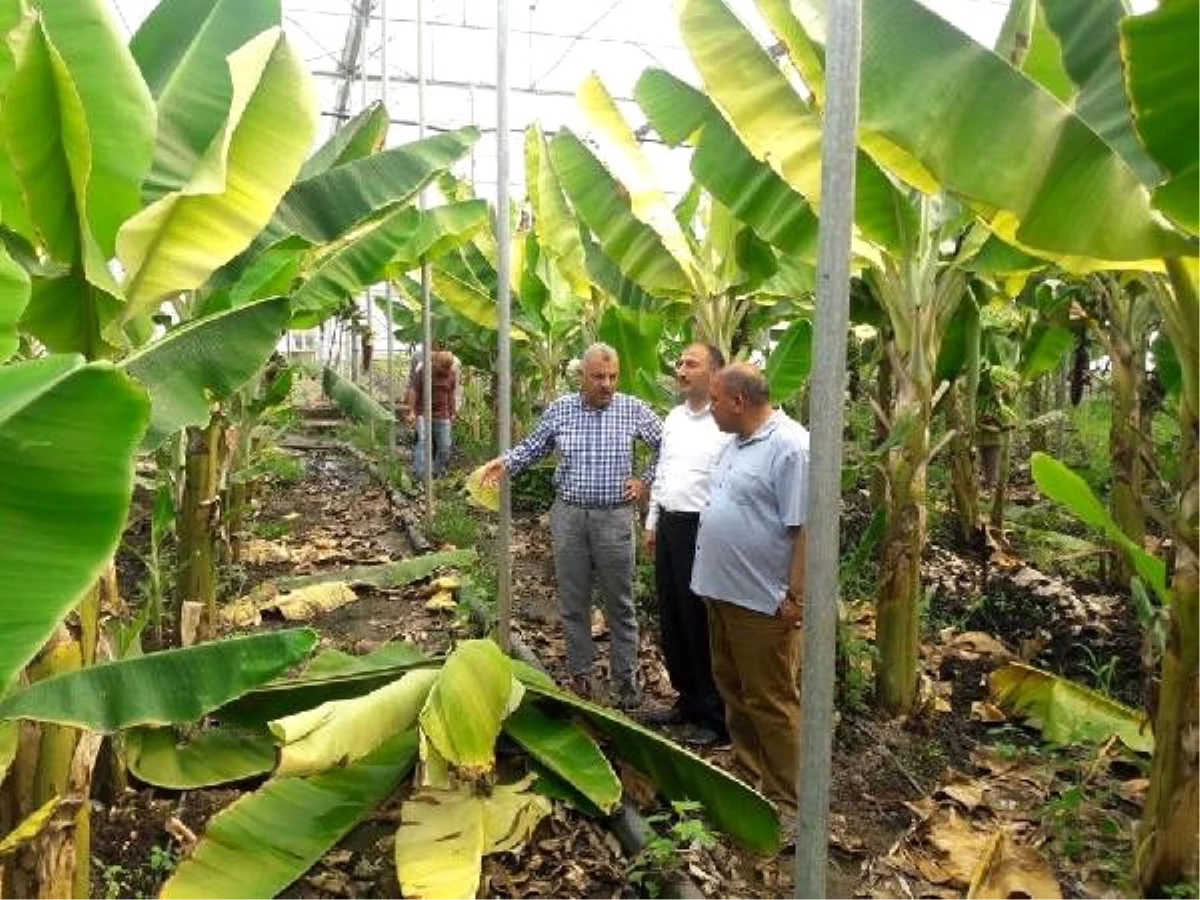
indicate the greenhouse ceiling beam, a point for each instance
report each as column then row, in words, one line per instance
column 349, row 64
column 465, row 85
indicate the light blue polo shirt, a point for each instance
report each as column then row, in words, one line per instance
column 759, row 490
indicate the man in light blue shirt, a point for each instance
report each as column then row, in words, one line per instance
column 750, row 569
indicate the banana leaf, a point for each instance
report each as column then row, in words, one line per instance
column 734, row 807
column 268, row 839
column 181, row 49
column 555, row 225
column 203, row 361
column 214, row 756
column 177, row 242
column 566, row 750
column 393, row 574
column 634, row 334
column 171, row 687
column 790, row 362
column 364, row 134
column 354, row 401
column 1067, row 712
column 68, row 433
column 14, row 297
column 329, row 663
column 475, row 691
column 343, row 731
column 69, row 314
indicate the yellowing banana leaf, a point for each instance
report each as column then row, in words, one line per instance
column 624, row 157
column 202, row 361
column 569, row 752
column 14, row 296
column 362, row 135
column 775, row 124
column 181, row 49
column 1066, row 712
column 68, row 433
column 393, row 574
column 1007, row 869
column 486, row 496
column 751, row 190
column 604, row 205
column 308, row 603
column 214, row 756
column 175, row 243
column 444, row 835
column 170, row 687
column 441, row 601
column 342, row 731
column 555, row 225
column 353, row 400
column 474, row 693
column 79, row 124
column 734, row 807
column 268, row 839
column 468, row 301
column 29, row 828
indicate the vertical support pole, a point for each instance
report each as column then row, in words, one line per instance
column 821, row 590
column 504, row 318
column 356, row 340
column 426, row 293
column 389, row 337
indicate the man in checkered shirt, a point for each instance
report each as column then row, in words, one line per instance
column 592, row 519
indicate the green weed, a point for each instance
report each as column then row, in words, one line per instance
column 678, row 834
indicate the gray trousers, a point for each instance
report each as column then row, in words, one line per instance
column 596, row 543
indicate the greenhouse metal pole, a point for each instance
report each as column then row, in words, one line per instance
column 426, row 293
column 504, row 317
column 358, row 359
column 389, row 338
column 827, row 400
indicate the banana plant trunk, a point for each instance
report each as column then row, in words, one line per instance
column 1000, row 491
column 1036, row 394
column 1170, row 852
column 198, row 525
column 899, row 594
column 1124, row 446
column 964, row 483
column 883, row 400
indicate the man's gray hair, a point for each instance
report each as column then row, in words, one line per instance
column 599, row 350
column 741, row 379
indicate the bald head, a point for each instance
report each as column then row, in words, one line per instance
column 739, row 399
column 741, row 379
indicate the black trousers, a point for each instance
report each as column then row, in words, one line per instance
column 683, row 621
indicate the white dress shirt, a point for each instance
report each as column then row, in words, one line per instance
column 691, row 444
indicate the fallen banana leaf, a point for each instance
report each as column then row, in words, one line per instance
column 730, row 804
column 1011, row 870
column 441, row 601
column 171, row 687
column 216, row 756
column 29, row 828
column 567, row 751
column 1066, row 712
column 444, row 835
column 487, row 496
column 268, row 839
column 342, row 731
column 309, row 602
column 395, row 574
column 473, row 694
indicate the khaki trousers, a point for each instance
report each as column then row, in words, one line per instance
column 756, row 665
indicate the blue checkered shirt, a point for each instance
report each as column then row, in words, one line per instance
column 595, row 447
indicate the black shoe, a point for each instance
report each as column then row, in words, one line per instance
column 672, row 715
column 699, row 736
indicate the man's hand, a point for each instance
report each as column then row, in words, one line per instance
column 791, row 610
column 650, row 539
column 492, row 470
column 634, row 490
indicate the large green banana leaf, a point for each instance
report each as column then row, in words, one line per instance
column 214, row 756
column 444, row 835
column 1044, row 179
column 14, row 297
column 790, row 362
column 627, row 162
column 393, row 574
column 634, row 334
column 1162, row 74
column 354, row 401
column 607, row 277
column 171, row 687
column 342, row 731
column 69, row 314
column 181, row 49
column 775, row 123
column 474, row 693
column 272, row 273
column 751, row 190
column 731, row 805
column 364, row 134
column 268, row 839
column 337, row 662
column 555, row 225
column 203, row 361
column 176, row 242
column 68, row 433
column 12, row 204
column 603, row 204
column 569, row 752
column 79, row 128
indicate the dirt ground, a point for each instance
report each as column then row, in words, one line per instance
column 914, row 803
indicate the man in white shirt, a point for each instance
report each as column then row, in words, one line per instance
column 691, row 444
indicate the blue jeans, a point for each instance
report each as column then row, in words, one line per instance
column 443, row 443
